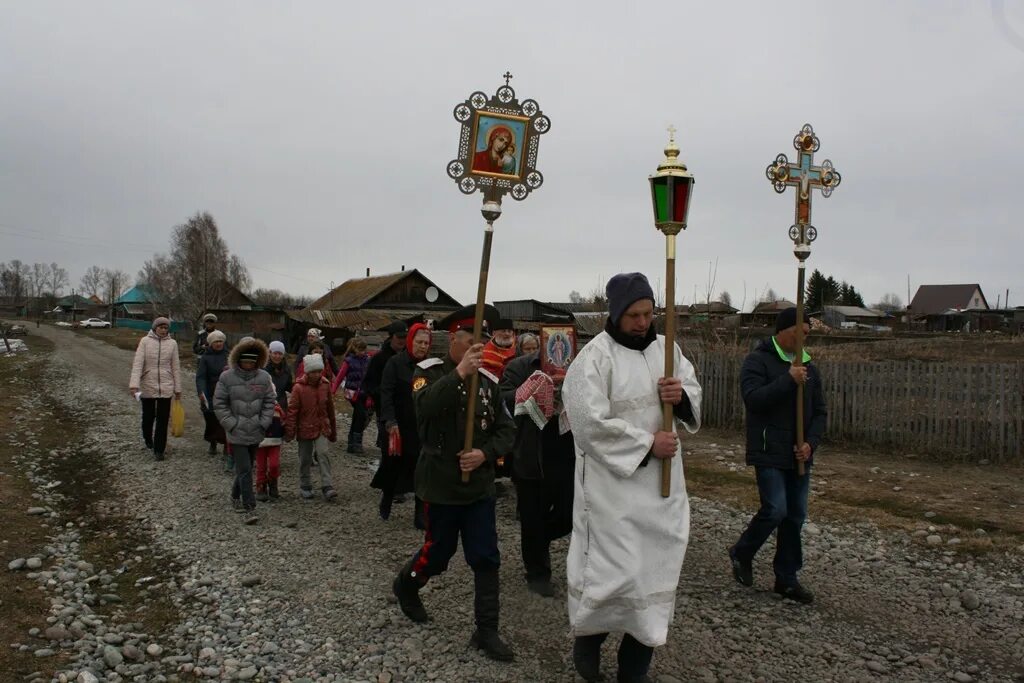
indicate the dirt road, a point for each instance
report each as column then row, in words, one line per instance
column 890, row 606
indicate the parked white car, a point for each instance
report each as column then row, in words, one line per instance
column 94, row 322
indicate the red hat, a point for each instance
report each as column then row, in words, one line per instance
column 412, row 335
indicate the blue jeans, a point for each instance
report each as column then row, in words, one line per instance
column 783, row 507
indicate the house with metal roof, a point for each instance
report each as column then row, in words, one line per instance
column 939, row 299
column 138, row 303
column 369, row 304
column 838, row 317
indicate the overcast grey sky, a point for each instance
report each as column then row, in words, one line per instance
column 317, row 134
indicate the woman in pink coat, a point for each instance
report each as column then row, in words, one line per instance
column 155, row 380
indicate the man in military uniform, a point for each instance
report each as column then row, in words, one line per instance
column 453, row 508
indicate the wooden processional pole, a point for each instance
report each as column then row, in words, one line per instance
column 491, row 211
column 798, row 360
column 667, row 410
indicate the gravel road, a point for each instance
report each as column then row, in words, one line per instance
column 304, row 595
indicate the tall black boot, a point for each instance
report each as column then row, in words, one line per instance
column 634, row 660
column 406, row 587
column 355, row 443
column 586, row 656
column 384, row 509
column 418, row 520
column 486, row 606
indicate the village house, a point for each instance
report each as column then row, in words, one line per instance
column 854, row 317
column 953, row 308
column 365, row 306
column 529, row 315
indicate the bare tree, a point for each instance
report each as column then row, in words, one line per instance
column 275, row 298
column 725, row 298
column 889, row 303
column 597, row 300
column 188, row 279
column 56, row 279
column 15, row 279
column 115, row 283
column 92, row 281
column 712, row 278
column 40, row 274
column 769, row 296
column 238, row 274
column 575, row 297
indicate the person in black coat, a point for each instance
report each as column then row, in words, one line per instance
column 543, row 466
column 768, row 381
column 211, row 363
column 397, row 471
column 395, row 342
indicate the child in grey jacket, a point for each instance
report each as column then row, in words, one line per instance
column 244, row 404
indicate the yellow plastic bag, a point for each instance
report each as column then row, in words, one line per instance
column 177, row 419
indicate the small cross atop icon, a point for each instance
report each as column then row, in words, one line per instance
column 507, row 76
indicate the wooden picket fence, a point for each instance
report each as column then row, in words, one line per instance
column 965, row 411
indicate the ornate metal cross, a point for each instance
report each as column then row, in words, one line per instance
column 507, row 76
column 805, row 176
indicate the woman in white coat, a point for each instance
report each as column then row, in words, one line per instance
column 628, row 542
column 156, row 378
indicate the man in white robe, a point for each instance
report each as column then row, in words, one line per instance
column 628, row 542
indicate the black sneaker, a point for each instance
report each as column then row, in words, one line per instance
column 795, row 592
column 212, row 450
column 236, row 503
column 158, row 456
column 742, row 571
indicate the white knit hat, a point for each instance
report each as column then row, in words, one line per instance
column 215, row 336
column 312, row 363
column 276, row 346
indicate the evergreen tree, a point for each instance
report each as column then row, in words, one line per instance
column 813, row 293
column 830, row 292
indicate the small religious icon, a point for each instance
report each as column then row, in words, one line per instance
column 558, row 348
column 499, row 147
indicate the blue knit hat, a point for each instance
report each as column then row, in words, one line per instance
column 624, row 290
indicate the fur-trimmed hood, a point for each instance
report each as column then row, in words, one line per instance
column 250, row 344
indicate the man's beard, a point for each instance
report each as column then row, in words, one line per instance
column 503, row 345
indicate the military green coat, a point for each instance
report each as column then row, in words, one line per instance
column 441, row 398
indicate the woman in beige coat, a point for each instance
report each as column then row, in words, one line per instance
column 156, row 378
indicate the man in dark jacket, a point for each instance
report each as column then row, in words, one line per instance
column 454, row 508
column 543, row 465
column 768, row 382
